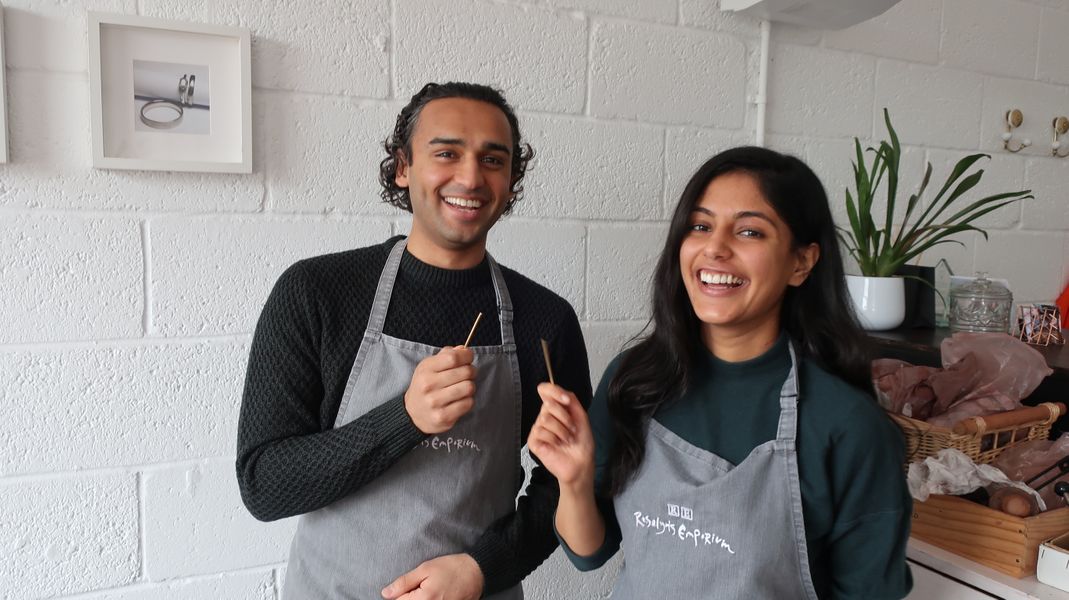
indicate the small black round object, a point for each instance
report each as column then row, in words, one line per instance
column 1061, row 488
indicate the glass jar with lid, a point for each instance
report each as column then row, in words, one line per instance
column 980, row 305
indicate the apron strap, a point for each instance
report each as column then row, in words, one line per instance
column 504, row 303
column 788, row 401
column 385, row 289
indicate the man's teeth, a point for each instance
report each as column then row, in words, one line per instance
column 720, row 279
column 463, row 202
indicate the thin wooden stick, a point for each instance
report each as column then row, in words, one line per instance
column 474, row 325
column 545, row 355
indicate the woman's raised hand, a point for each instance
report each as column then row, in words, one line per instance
column 561, row 437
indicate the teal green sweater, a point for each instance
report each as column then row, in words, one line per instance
column 854, row 498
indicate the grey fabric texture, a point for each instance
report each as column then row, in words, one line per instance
column 695, row 526
column 436, row 500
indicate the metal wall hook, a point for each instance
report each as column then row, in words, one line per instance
column 1060, row 126
column 1014, row 118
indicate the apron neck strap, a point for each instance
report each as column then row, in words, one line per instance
column 384, row 291
column 788, row 400
column 504, row 302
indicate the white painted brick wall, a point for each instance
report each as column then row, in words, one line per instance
column 1040, row 103
column 645, row 10
column 1054, row 47
column 42, row 34
column 705, row 14
column 68, row 534
column 908, row 31
column 69, row 278
column 619, row 181
column 328, row 46
column 255, row 585
column 605, row 341
column 127, row 299
column 1001, row 173
column 195, row 524
column 1050, row 209
column 553, row 254
column 620, row 261
column 119, row 405
column 321, row 153
column 685, row 151
column 1021, row 257
column 667, row 75
column 946, row 104
column 211, row 275
column 991, row 36
column 536, row 54
column 820, row 92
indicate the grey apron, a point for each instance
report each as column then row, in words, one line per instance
column 694, row 526
column 440, row 497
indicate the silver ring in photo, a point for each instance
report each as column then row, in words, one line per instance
column 162, row 103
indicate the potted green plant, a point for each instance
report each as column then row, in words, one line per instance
column 882, row 247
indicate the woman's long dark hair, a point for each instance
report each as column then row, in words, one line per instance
column 817, row 314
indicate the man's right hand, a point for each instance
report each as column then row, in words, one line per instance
column 442, row 390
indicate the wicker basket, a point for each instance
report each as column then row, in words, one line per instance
column 980, row 438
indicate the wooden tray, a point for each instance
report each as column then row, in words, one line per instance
column 990, row 537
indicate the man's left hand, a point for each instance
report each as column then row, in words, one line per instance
column 450, row 577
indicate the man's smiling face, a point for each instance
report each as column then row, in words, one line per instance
column 458, row 177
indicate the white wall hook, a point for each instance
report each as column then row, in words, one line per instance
column 1060, row 125
column 1014, row 118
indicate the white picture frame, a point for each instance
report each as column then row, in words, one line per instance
column 169, row 95
column 3, row 93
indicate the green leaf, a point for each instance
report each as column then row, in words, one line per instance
column 967, row 184
column 983, row 206
column 959, row 169
column 913, row 200
column 881, row 250
column 966, row 212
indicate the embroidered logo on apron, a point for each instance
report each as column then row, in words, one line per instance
column 679, row 530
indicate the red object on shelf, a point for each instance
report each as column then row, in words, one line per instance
column 1063, row 306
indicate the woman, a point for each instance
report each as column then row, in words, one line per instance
column 736, row 450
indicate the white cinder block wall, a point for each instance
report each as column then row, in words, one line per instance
column 127, row 299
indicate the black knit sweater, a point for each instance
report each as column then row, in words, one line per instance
column 290, row 458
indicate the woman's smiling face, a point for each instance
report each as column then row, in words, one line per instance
column 737, row 259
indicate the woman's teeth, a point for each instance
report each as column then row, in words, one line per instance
column 462, row 202
column 720, row 279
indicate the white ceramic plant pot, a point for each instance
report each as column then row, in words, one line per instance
column 879, row 302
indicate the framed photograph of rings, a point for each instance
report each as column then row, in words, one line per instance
column 169, row 96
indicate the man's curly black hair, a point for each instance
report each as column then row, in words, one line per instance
column 400, row 141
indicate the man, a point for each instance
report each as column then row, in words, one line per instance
column 363, row 413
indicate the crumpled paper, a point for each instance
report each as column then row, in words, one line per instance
column 982, row 373
column 951, row 472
